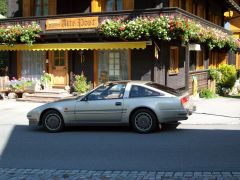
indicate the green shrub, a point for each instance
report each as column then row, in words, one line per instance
column 46, row 78
column 80, row 84
column 228, row 77
column 214, row 74
column 206, row 93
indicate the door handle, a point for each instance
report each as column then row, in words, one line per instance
column 118, row 103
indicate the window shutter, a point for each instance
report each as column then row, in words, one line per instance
column 26, row 8
column 189, row 5
column 52, row 7
column 128, row 4
column 96, row 5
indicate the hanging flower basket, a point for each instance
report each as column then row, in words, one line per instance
column 12, row 34
column 164, row 27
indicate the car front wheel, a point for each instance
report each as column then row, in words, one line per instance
column 52, row 121
column 144, row 121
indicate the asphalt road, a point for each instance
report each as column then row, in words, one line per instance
column 208, row 141
column 187, row 148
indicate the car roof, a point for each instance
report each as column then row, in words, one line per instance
column 129, row 82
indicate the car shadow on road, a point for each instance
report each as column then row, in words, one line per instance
column 120, row 148
column 113, row 129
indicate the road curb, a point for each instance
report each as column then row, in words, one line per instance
column 13, row 173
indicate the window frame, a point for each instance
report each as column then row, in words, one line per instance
column 103, row 55
column 59, row 58
column 199, row 58
column 42, row 5
column 114, row 6
column 173, row 63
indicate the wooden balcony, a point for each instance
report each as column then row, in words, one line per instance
column 81, row 34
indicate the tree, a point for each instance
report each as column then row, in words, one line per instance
column 3, row 7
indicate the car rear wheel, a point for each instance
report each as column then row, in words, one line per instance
column 52, row 121
column 144, row 121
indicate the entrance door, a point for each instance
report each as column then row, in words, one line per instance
column 59, row 68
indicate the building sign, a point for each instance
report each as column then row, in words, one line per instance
column 72, row 23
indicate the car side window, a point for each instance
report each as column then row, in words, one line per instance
column 139, row 91
column 105, row 92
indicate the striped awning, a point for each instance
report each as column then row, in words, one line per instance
column 76, row 46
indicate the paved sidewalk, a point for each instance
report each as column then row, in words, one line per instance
column 29, row 174
column 216, row 111
column 13, row 112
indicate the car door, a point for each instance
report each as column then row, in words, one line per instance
column 105, row 104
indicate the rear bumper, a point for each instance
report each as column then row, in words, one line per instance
column 191, row 110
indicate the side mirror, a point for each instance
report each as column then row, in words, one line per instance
column 85, row 98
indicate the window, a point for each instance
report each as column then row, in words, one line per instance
column 196, row 60
column 139, row 91
column 163, row 88
column 113, row 5
column 41, row 7
column 33, row 64
column 105, row 92
column 4, row 63
column 174, row 60
column 112, row 65
column 59, row 58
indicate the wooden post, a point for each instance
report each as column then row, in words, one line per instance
column 187, row 67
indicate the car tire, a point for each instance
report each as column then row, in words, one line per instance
column 144, row 121
column 52, row 121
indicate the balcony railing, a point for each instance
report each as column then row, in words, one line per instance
column 103, row 15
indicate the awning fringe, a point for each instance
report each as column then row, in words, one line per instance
column 76, row 46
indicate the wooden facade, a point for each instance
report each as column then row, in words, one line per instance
column 167, row 68
column 234, row 20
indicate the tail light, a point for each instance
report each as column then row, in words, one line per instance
column 184, row 99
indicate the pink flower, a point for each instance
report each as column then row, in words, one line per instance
column 122, row 28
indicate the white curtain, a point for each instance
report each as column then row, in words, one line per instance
column 33, row 64
column 103, row 66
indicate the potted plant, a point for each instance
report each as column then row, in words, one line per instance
column 18, row 86
column 46, row 79
column 80, row 84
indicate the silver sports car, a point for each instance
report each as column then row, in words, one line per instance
column 143, row 105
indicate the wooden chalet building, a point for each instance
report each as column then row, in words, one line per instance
column 66, row 48
column 233, row 24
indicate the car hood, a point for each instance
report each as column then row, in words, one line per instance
column 54, row 104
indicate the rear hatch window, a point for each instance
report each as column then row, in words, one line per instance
column 164, row 88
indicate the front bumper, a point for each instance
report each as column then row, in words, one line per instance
column 33, row 119
column 33, row 122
